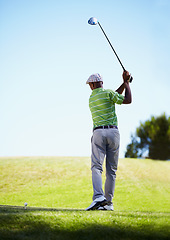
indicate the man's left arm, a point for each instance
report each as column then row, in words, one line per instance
column 121, row 88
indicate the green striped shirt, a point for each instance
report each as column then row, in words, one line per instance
column 102, row 106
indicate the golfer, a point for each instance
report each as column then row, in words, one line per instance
column 106, row 139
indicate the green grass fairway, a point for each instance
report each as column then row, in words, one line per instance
column 58, row 189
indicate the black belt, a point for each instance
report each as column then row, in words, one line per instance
column 105, row 127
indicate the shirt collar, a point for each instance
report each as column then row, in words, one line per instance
column 97, row 90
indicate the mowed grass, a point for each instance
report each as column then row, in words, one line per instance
column 58, row 189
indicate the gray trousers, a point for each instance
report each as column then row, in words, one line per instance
column 105, row 142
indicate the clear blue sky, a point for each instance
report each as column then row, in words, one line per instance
column 47, row 52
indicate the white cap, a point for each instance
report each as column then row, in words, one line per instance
column 94, row 78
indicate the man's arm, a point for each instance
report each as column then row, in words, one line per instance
column 128, row 95
column 121, row 88
column 125, row 85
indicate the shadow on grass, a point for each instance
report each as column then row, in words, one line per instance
column 18, row 224
column 10, row 208
column 20, row 208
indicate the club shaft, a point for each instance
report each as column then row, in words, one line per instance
column 111, row 46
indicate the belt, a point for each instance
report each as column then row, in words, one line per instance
column 105, row 127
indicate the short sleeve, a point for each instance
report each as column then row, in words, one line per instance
column 116, row 97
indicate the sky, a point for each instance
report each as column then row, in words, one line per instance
column 48, row 51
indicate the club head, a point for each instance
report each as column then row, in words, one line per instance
column 92, row 21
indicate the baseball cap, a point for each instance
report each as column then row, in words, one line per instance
column 94, row 78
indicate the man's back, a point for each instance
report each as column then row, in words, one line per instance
column 102, row 106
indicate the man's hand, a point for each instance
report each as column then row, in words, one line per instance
column 126, row 76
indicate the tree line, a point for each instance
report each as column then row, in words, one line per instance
column 151, row 139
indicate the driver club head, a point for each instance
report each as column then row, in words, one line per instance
column 92, row 21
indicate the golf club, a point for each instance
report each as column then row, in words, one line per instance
column 93, row 21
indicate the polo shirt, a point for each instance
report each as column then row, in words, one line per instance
column 102, row 106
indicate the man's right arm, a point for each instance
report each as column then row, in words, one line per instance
column 128, row 95
column 125, row 85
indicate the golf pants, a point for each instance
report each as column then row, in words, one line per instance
column 105, row 142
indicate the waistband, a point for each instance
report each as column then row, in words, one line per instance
column 105, row 127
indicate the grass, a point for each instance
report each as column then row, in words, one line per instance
column 58, row 189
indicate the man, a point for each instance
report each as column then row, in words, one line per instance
column 105, row 140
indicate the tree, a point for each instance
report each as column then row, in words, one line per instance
column 132, row 148
column 152, row 139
